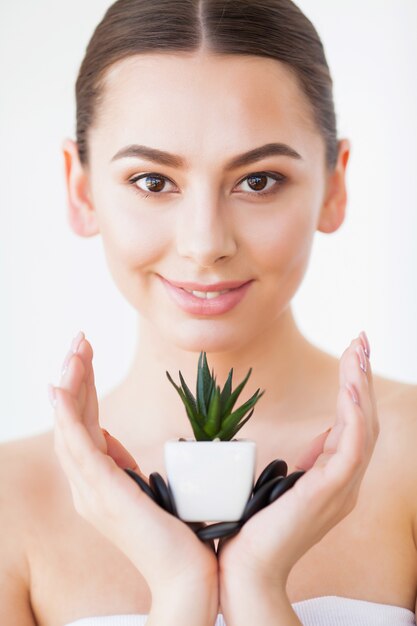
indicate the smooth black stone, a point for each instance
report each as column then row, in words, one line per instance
column 278, row 467
column 142, row 484
column 173, row 505
column 259, row 499
column 284, row 485
column 194, row 526
column 160, row 489
column 220, row 529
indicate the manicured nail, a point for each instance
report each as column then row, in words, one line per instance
column 51, row 393
column 365, row 342
column 352, row 392
column 362, row 358
column 76, row 341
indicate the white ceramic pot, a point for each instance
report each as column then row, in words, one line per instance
column 211, row 481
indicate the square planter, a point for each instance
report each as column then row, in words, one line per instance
column 211, row 481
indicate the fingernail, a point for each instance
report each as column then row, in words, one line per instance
column 362, row 358
column 51, row 394
column 365, row 341
column 76, row 341
column 353, row 393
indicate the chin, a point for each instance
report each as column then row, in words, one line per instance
column 200, row 337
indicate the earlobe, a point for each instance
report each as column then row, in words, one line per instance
column 333, row 209
column 81, row 213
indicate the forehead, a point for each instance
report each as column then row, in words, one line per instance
column 203, row 99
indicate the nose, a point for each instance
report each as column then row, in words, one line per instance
column 204, row 234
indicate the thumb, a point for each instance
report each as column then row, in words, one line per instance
column 119, row 454
column 308, row 457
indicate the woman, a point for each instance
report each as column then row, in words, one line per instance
column 207, row 155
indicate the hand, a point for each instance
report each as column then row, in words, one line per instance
column 272, row 541
column 160, row 545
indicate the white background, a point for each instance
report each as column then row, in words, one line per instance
column 53, row 283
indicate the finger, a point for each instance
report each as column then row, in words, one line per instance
column 351, row 373
column 78, row 379
column 308, row 457
column 345, row 451
column 79, row 489
column 95, row 475
column 91, row 408
column 121, row 456
column 365, row 342
column 85, row 352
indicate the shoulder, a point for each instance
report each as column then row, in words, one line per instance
column 29, row 477
column 397, row 406
column 22, row 463
column 26, row 471
column 397, row 413
column 397, row 442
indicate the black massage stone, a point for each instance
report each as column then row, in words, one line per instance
column 220, row 529
column 160, row 489
column 259, row 499
column 284, row 485
column 271, row 484
column 142, row 484
column 278, row 467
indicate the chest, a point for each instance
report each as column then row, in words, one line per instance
column 369, row 555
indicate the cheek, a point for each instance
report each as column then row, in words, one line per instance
column 283, row 241
column 132, row 237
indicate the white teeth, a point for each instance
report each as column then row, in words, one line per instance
column 208, row 295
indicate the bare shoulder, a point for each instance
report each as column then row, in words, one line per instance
column 389, row 391
column 397, row 441
column 22, row 471
column 29, row 475
column 397, row 412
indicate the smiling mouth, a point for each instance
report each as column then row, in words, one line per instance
column 207, row 295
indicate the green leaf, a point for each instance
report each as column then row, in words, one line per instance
column 213, row 419
column 227, row 390
column 171, row 381
column 234, row 396
column 242, row 423
column 231, row 421
column 189, row 407
column 199, row 433
column 189, row 395
column 204, row 381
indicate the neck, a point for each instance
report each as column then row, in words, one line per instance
column 146, row 408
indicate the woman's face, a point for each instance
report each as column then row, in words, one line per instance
column 201, row 219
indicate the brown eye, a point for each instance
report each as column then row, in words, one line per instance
column 259, row 185
column 257, row 182
column 152, row 182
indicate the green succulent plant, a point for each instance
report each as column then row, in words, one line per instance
column 211, row 412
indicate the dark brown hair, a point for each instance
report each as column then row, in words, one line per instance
column 269, row 28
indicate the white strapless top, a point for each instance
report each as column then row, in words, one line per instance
column 323, row 611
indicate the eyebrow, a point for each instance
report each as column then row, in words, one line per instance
column 174, row 160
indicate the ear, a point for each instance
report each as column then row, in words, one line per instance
column 332, row 211
column 81, row 213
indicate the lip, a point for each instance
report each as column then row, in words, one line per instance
column 228, row 284
column 199, row 306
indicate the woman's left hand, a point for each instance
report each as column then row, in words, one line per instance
column 269, row 544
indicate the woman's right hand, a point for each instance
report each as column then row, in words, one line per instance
column 165, row 550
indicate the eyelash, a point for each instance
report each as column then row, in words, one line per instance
column 279, row 178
